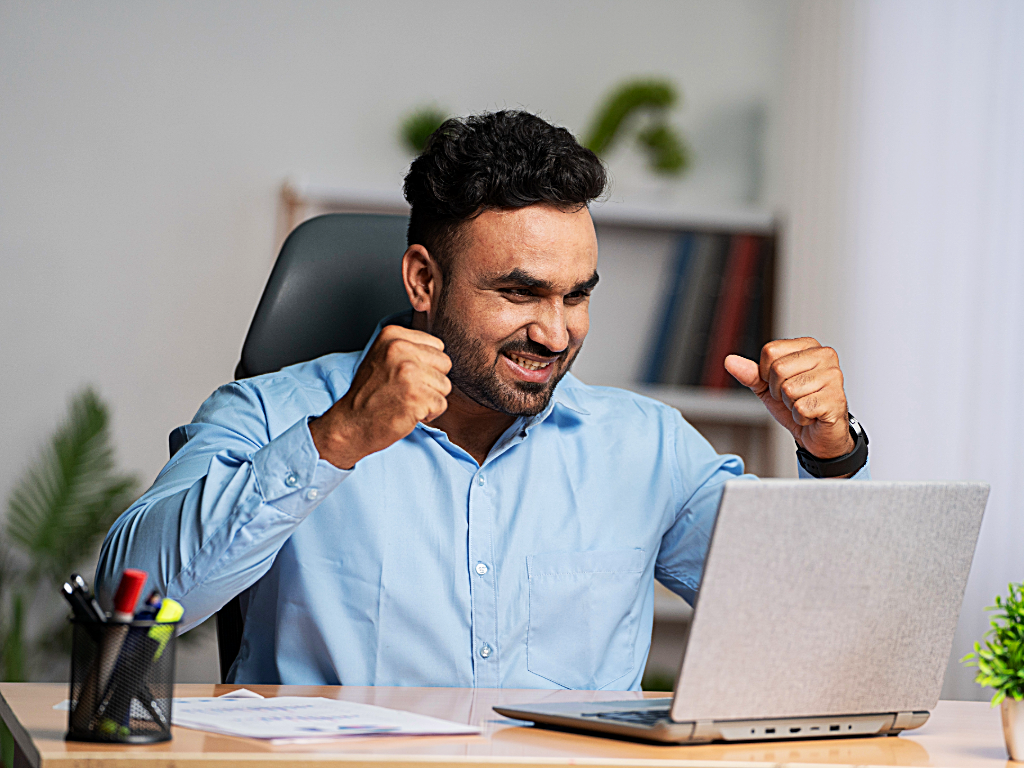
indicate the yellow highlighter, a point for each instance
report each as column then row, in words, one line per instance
column 170, row 613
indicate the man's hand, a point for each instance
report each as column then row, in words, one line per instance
column 800, row 383
column 401, row 381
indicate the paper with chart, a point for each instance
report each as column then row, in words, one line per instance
column 290, row 719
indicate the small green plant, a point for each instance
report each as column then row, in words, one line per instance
column 1000, row 660
column 418, row 126
column 631, row 102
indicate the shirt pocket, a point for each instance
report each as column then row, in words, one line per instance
column 584, row 615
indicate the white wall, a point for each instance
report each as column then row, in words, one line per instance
column 142, row 146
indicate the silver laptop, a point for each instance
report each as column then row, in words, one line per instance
column 827, row 609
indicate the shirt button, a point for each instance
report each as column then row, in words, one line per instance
column 291, row 480
column 312, row 493
column 481, row 568
column 480, row 480
column 485, row 650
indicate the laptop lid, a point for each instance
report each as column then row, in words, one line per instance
column 828, row 597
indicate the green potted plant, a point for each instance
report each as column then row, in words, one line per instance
column 1000, row 663
column 56, row 516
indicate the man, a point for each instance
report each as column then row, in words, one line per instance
column 450, row 506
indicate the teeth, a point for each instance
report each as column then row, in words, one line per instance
column 530, row 365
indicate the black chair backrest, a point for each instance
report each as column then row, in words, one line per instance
column 336, row 276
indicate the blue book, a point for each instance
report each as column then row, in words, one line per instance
column 671, row 305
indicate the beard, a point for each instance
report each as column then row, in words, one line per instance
column 475, row 373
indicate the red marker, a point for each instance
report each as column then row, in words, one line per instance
column 128, row 591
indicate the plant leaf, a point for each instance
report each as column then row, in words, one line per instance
column 667, row 152
column 418, row 127
column 70, row 495
column 1000, row 660
column 634, row 96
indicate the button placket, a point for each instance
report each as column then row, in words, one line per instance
column 482, row 588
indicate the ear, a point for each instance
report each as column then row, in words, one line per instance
column 422, row 279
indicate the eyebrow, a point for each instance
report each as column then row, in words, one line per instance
column 521, row 277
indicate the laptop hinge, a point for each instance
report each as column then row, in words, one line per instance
column 704, row 730
column 903, row 720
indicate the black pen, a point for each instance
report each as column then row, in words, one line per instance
column 86, row 617
column 82, row 588
column 79, row 606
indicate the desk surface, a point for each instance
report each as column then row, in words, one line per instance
column 960, row 734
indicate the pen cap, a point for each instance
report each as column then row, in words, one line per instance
column 151, row 607
column 128, row 591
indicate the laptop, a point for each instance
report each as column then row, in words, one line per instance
column 827, row 609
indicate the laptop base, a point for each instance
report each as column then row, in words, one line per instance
column 648, row 720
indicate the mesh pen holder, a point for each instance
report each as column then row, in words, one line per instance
column 122, row 682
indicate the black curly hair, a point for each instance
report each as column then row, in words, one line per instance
column 494, row 161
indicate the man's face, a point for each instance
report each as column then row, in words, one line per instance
column 515, row 310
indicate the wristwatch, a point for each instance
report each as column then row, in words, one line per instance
column 841, row 465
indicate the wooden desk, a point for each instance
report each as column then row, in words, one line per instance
column 959, row 734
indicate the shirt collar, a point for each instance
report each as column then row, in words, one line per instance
column 403, row 319
column 566, row 393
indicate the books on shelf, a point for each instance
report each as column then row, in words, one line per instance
column 717, row 302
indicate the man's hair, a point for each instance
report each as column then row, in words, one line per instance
column 494, row 161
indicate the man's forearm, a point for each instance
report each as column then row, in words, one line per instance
column 207, row 542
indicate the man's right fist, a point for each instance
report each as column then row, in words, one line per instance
column 401, row 381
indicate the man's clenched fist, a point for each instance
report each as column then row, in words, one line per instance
column 401, row 381
column 800, row 383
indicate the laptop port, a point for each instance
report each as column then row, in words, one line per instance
column 769, row 730
column 794, row 730
column 815, row 728
column 833, row 727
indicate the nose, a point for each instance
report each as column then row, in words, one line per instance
column 548, row 327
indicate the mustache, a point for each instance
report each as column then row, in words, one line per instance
column 531, row 347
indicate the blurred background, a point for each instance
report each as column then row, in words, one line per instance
column 876, row 145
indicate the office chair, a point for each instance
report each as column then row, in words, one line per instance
column 336, row 276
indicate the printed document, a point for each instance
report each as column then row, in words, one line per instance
column 297, row 719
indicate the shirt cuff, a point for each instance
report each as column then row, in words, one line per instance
column 290, row 473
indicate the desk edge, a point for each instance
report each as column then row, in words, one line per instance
column 22, row 738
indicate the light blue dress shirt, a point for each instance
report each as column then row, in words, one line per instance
column 419, row 567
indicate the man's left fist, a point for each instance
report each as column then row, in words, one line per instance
column 800, row 383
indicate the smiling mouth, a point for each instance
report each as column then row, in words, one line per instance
column 530, row 365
